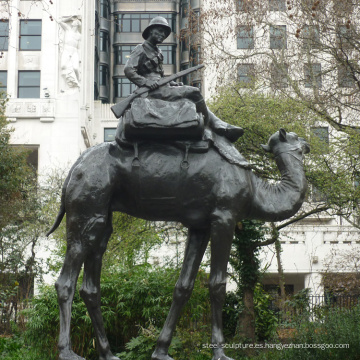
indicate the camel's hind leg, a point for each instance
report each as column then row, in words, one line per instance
column 65, row 287
column 90, row 290
column 88, row 235
column 195, row 248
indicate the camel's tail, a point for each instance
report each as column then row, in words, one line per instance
column 58, row 220
column 62, row 211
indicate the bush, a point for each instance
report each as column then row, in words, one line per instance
column 135, row 303
column 265, row 318
column 14, row 348
column 339, row 326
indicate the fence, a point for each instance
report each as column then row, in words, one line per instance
column 312, row 308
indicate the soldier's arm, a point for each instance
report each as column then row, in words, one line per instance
column 131, row 67
column 131, row 70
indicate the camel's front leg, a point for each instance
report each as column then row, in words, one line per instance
column 222, row 231
column 195, row 248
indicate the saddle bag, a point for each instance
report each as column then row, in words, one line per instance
column 155, row 119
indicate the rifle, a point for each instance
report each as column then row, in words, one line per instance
column 119, row 108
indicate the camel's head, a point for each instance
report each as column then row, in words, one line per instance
column 283, row 142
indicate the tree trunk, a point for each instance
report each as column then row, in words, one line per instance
column 247, row 317
column 275, row 235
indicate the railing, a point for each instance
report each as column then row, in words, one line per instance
column 314, row 308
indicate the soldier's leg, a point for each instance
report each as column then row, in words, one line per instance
column 220, row 127
column 173, row 93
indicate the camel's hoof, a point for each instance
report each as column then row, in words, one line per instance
column 69, row 355
column 222, row 357
column 109, row 357
column 161, row 357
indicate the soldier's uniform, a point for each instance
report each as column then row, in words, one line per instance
column 145, row 63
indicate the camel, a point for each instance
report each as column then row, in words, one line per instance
column 208, row 196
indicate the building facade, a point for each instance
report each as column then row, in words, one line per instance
column 62, row 63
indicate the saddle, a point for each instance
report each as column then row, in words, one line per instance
column 175, row 124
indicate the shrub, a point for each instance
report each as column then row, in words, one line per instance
column 134, row 304
column 265, row 318
column 14, row 348
column 339, row 326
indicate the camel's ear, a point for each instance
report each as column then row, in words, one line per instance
column 266, row 147
column 282, row 135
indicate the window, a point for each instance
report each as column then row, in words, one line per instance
column 29, row 84
column 169, row 53
column 33, row 157
column 184, row 46
column 3, row 83
column 96, row 76
column 109, row 134
column 277, row 5
column 345, row 77
column 30, row 34
column 274, row 290
column 122, row 53
column 104, row 41
column 312, row 73
column 123, row 87
column 277, row 36
column 137, row 22
column 4, row 35
column 184, row 40
column 129, row 23
column 195, row 55
column 320, row 137
column 344, row 7
column 246, row 74
column 104, row 9
column 196, row 84
column 244, row 5
column 311, row 37
column 185, row 79
column 345, row 36
column 194, row 21
column 279, row 76
column 104, row 75
column 245, row 39
column 184, row 8
column 317, row 195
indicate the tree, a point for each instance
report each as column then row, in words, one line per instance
column 248, row 238
column 313, row 58
column 341, row 273
column 131, row 241
column 331, row 167
column 15, row 174
column 22, row 245
column 327, row 168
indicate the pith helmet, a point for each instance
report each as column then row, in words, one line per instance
column 157, row 21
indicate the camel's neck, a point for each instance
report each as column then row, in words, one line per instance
column 276, row 202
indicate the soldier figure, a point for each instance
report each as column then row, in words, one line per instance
column 144, row 68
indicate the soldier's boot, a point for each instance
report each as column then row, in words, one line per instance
column 220, row 127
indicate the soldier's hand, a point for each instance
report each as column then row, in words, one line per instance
column 173, row 83
column 152, row 84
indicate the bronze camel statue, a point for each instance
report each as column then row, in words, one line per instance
column 208, row 197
